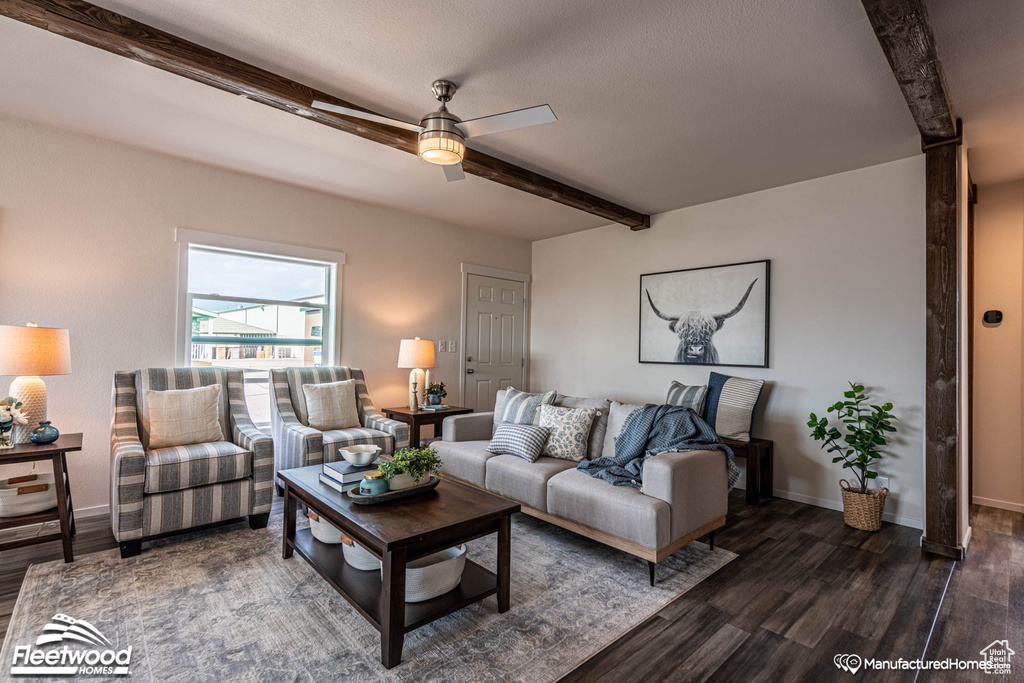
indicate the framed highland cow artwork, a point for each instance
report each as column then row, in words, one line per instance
column 717, row 315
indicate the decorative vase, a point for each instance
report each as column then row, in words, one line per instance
column 402, row 481
column 44, row 433
column 863, row 510
column 435, row 399
column 5, row 440
column 373, row 484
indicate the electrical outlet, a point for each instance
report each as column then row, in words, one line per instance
column 882, row 482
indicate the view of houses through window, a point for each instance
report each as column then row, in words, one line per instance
column 254, row 313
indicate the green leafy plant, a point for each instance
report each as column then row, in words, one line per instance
column 416, row 462
column 436, row 389
column 866, row 430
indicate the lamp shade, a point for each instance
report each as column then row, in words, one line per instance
column 416, row 353
column 30, row 351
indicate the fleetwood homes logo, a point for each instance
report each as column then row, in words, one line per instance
column 98, row 659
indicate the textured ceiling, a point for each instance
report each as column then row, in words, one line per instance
column 660, row 104
column 981, row 47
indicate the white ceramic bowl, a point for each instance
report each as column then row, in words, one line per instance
column 359, row 455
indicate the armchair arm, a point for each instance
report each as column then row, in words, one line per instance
column 247, row 436
column 295, row 444
column 127, row 461
column 694, row 484
column 399, row 431
column 472, row 427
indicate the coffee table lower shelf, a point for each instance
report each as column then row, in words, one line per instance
column 363, row 589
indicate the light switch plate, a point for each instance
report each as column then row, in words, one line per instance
column 453, row 346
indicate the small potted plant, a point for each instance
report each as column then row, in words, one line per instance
column 436, row 393
column 867, row 427
column 10, row 415
column 410, row 467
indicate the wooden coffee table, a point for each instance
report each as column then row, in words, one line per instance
column 397, row 533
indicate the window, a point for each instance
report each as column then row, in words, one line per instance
column 255, row 310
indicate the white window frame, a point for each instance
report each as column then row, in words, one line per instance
column 332, row 260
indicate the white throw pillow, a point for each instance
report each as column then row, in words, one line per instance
column 570, row 428
column 617, row 415
column 332, row 405
column 179, row 417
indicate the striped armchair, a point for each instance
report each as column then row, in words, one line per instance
column 163, row 490
column 297, row 445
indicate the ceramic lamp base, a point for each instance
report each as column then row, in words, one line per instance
column 31, row 391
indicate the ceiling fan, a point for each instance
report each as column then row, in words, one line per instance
column 442, row 135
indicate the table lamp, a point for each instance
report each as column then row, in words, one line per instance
column 29, row 352
column 416, row 354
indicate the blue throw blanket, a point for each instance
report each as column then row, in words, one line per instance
column 652, row 430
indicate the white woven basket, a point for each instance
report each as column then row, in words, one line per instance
column 434, row 575
column 324, row 532
column 13, row 504
column 359, row 557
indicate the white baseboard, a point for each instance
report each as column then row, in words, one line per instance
column 1001, row 504
column 838, row 505
column 97, row 511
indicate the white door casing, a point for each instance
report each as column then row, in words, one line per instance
column 494, row 335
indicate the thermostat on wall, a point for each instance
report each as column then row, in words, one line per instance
column 993, row 317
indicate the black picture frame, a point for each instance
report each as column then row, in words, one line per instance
column 649, row 307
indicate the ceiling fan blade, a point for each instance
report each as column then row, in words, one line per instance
column 454, row 172
column 510, row 120
column 376, row 118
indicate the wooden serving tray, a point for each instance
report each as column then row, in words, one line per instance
column 393, row 495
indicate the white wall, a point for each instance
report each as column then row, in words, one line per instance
column 998, row 280
column 847, row 303
column 87, row 243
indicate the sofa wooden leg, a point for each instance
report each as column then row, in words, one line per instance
column 711, row 540
column 130, row 548
column 650, row 568
column 259, row 521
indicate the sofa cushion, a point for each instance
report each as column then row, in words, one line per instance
column 522, row 481
column 687, row 396
column 621, row 511
column 332, row 405
column 522, row 441
column 465, row 460
column 570, row 429
column 617, row 414
column 198, row 464
column 731, row 403
column 336, row 439
column 178, row 417
column 595, row 443
column 523, row 408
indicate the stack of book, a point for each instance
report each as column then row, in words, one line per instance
column 342, row 475
column 441, row 406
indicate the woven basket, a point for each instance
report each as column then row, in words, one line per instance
column 21, row 495
column 358, row 556
column 323, row 531
column 434, row 575
column 863, row 510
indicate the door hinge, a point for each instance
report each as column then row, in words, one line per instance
column 524, row 302
column 524, row 361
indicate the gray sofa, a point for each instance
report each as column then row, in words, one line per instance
column 685, row 495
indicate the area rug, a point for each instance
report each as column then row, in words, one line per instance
column 221, row 605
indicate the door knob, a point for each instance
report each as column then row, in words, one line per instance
column 469, row 359
column 470, row 371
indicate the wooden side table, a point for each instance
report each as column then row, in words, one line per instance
column 65, row 511
column 417, row 418
column 760, row 456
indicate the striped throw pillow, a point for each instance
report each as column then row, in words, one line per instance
column 685, row 396
column 522, row 441
column 730, row 405
column 523, row 408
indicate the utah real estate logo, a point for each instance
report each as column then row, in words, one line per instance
column 99, row 658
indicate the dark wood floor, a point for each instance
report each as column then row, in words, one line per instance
column 804, row 588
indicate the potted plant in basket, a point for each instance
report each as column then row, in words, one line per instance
column 10, row 415
column 409, row 467
column 866, row 430
column 436, row 393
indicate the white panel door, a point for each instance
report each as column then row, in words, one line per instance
column 495, row 328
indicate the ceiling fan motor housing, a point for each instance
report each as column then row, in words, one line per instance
column 441, row 142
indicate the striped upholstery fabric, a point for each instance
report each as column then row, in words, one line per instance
column 185, row 467
column 731, row 403
column 522, row 441
column 520, row 407
column 134, row 512
column 685, row 396
column 297, row 445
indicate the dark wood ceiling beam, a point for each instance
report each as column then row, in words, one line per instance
column 902, row 29
column 116, row 33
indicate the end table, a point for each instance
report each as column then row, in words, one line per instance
column 417, row 418
column 65, row 511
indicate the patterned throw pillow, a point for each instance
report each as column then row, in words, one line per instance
column 523, row 408
column 181, row 417
column 731, row 403
column 685, row 396
column 332, row 405
column 570, row 428
column 522, row 441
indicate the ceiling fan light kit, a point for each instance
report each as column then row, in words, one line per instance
column 441, row 135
